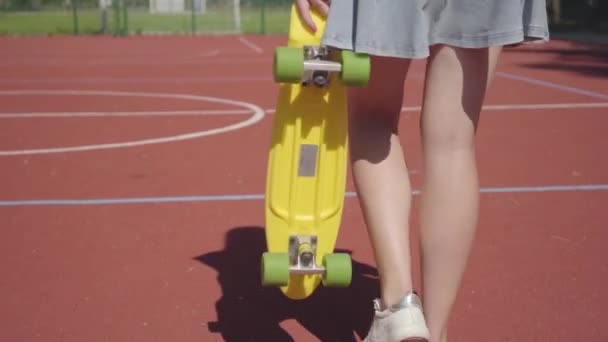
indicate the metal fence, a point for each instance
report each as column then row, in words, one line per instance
column 128, row 17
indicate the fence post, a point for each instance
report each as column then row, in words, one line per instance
column 263, row 18
column 116, row 5
column 103, row 19
column 75, row 16
column 236, row 8
column 125, row 14
column 193, row 19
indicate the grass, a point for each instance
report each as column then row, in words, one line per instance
column 140, row 20
column 48, row 22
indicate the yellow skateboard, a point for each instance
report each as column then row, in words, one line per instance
column 307, row 162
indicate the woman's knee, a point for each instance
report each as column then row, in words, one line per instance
column 456, row 84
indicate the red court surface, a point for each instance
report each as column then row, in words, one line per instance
column 132, row 175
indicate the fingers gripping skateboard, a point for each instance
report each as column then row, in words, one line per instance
column 313, row 64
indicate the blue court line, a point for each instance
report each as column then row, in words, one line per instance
column 255, row 197
column 554, row 85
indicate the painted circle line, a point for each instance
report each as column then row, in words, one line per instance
column 257, row 115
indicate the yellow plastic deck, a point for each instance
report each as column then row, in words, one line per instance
column 310, row 204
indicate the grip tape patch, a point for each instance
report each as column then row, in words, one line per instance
column 308, row 160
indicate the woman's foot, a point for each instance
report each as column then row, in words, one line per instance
column 403, row 321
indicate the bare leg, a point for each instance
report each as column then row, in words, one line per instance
column 380, row 173
column 454, row 93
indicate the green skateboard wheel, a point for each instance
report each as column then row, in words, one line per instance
column 288, row 65
column 338, row 270
column 355, row 68
column 275, row 269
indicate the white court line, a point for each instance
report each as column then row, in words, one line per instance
column 251, row 45
column 110, row 60
column 553, row 85
column 100, row 62
column 29, row 115
column 122, row 114
column 548, row 106
column 516, row 106
column 257, row 114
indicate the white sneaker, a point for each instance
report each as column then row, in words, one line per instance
column 403, row 321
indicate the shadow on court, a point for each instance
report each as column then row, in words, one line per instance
column 247, row 311
column 590, row 60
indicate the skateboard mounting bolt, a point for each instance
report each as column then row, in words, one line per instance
column 317, row 64
column 306, row 258
column 320, row 79
column 302, row 251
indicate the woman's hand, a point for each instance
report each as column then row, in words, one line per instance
column 305, row 6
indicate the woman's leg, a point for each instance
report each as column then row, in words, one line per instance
column 456, row 82
column 380, row 173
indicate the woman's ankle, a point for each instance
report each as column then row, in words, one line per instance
column 390, row 298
